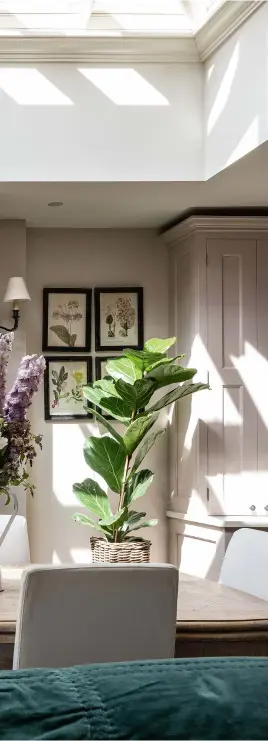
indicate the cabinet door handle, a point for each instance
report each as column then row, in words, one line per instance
column 252, row 507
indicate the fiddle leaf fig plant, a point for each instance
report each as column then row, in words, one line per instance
column 127, row 395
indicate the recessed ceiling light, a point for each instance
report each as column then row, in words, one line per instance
column 55, row 204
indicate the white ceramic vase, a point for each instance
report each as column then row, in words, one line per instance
column 7, row 528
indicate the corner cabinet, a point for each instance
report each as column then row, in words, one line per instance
column 219, row 438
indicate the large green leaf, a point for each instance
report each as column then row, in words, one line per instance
column 62, row 333
column 126, row 392
column 164, row 360
column 93, row 497
column 137, row 431
column 125, row 369
column 107, row 385
column 134, row 517
column 111, row 403
column 107, row 457
column 165, row 375
column 146, row 523
column 137, row 485
column 85, row 520
column 115, row 520
column 118, row 408
column 144, row 449
column 142, row 359
column 159, row 346
column 144, row 388
column 94, row 395
column 137, row 395
column 109, row 427
column 178, row 393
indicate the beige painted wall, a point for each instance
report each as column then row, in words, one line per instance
column 88, row 258
column 12, row 263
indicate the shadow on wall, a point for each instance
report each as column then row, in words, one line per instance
column 236, row 95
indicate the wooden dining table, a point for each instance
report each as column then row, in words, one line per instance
column 212, row 620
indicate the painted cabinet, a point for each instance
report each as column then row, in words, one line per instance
column 219, row 312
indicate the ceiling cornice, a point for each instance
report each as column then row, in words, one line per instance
column 97, row 50
column 215, row 224
column 88, row 49
column 222, row 24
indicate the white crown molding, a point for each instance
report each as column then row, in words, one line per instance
column 24, row 47
column 215, row 224
column 222, row 24
column 96, row 49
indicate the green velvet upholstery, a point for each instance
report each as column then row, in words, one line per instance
column 176, row 699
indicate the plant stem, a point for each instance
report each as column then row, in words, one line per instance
column 122, row 492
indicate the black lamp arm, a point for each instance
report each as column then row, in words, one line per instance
column 16, row 317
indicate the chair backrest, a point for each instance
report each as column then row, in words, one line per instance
column 245, row 565
column 96, row 613
column 15, row 548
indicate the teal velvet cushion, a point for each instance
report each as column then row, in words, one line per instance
column 179, row 699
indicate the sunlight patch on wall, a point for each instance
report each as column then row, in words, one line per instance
column 81, row 555
column 55, row 559
column 69, row 464
column 124, row 86
column 224, row 89
column 253, row 369
column 210, row 72
column 210, row 403
column 30, row 87
column 249, row 141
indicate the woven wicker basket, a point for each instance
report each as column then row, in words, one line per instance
column 127, row 552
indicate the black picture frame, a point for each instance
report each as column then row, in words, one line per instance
column 99, row 359
column 117, row 348
column 63, row 360
column 46, row 347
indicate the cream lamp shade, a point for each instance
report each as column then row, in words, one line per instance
column 16, row 291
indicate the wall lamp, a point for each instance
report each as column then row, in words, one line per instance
column 16, row 291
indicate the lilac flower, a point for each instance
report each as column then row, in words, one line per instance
column 6, row 341
column 29, row 378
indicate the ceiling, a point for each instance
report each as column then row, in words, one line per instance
column 135, row 205
column 104, row 17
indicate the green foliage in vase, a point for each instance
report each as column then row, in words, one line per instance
column 127, row 394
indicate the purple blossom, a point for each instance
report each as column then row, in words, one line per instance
column 6, row 341
column 29, row 378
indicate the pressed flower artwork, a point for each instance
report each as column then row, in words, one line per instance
column 119, row 318
column 66, row 319
column 64, row 382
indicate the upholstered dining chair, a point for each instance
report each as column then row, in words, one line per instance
column 93, row 614
column 245, row 564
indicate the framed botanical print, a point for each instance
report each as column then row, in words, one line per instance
column 67, row 319
column 118, row 318
column 63, row 387
column 100, row 371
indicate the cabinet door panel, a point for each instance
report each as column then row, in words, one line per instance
column 232, row 340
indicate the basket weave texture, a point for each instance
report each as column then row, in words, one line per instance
column 127, row 552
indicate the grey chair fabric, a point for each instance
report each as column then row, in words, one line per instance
column 93, row 614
